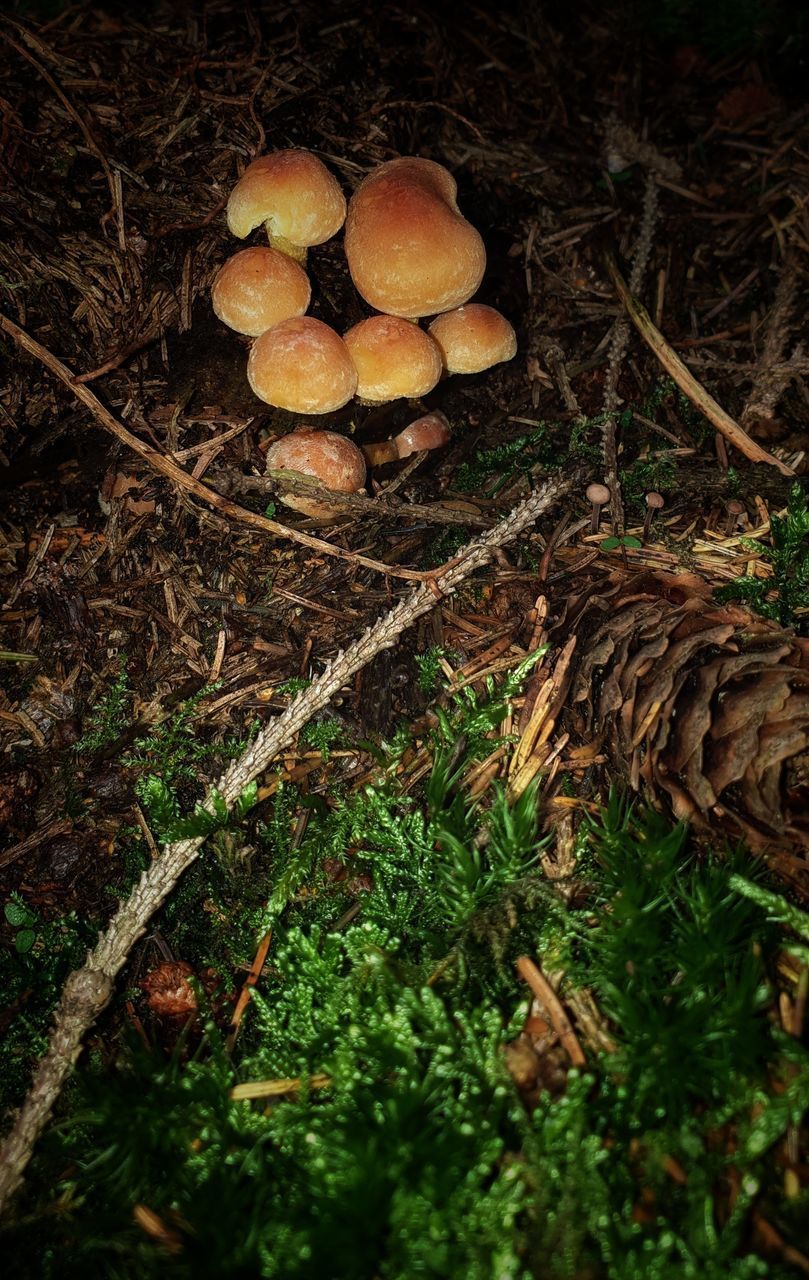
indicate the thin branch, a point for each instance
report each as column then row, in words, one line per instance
column 89, row 989
column 772, row 374
column 617, row 352
column 283, row 481
column 169, row 468
column 685, row 380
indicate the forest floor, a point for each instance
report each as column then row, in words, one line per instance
column 148, row 635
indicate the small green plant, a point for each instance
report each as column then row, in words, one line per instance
column 429, row 668
column 323, row 735
column 375, row 1129
column 109, row 715
column 505, row 462
column 23, row 919
column 613, row 542
column 785, row 596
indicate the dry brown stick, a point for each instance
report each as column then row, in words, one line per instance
column 294, row 482
column 552, row 1005
column 88, row 990
column 617, row 352
column 685, row 380
column 151, row 334
column 169, row 468
column 244, row 995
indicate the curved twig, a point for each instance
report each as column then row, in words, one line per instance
column 169, row 468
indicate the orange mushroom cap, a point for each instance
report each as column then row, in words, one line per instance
column 410, row 251
column 326, row 456
column 257, row 288
column 393, row 358
column 473, row 338
column 302, row 365
column 294, row 195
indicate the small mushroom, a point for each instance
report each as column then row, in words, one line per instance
column 393, row 358
column 735, row 509
column 654, row 502
column 257, row 288
column 598, row 495
column 410, row 251
column 294, row 195
column 473, row 338
column 302, row 365
column 430, row 432
column 330, row 458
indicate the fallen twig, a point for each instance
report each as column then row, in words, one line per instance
column 383, row 504
column 169, row 468
column 685, row 380
column 552, row 1005
column 617, row 351
column 88, row 990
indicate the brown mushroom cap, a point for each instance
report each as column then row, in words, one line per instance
column 329, row 457
column 429, row 432
column 597, row 493
column 474, row 338
column 410, row 251
column 294, row 195
column 258, row 288
column 393, row 358
column 302, row 365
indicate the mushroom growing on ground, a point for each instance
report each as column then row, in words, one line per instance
column 294, row 195
column 410, row 251
column 258, row 288
column 598, row 495
column 473, row 338
column 430, row 432
column 326, row 456
column 654, row 502
column 393, row 358
column 302, row 365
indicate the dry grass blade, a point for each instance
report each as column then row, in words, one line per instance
column 685, row 380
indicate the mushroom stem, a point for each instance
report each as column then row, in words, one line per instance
column 381, row 452
column 429, row 432
column 654, row 502
column 295, row 251
column 597, row 495
column 735, row 509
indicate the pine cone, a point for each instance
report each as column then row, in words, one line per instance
column 707, row 705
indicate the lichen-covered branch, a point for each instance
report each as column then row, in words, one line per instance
column 88, row 989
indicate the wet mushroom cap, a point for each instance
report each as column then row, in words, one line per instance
column 473, row 338
column 326, row 456
column 393, row 358
column 410, row 251
column 428, row 432
column 257, row 288
column 302, row 365
column 293, row 193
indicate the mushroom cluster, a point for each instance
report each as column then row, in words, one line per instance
column 411, row 255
